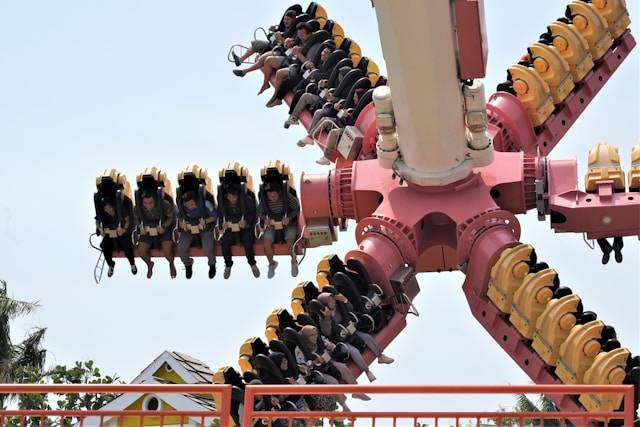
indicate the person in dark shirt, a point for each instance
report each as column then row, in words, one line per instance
column 115, row 234
column 275, row 215
column 237, row 225
column 197, row 224
column 264, row 48
column 156, row 226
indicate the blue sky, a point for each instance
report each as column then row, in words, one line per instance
column 91, row 85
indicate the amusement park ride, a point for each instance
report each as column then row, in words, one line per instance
column 434, row 176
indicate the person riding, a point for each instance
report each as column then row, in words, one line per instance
column 265, row 48
column 238, row 224
column 155, row 224
column 114, row 234
column 197, row 223
column 331, row 316
column 279, row 211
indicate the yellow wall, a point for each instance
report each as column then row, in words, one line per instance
column 170, row 376
column 148, row 420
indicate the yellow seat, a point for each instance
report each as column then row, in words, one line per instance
column 199, row 173
column 321, row 16
column 118, row 179
column 553, row 327
column 578, row 352
column 573, row 48
column 553, row 69
column 507, row 275
column 592, row 26
column 607, row 368
column 246, row 353
column 634, row 172
column 604, row 164
column 615, row 13
column 160, row 176
column 533, row 92
column 272, row 324
column 373, row 72
column 337, row 32
column 530, row 299
column 355, row 53
column 298, row 299
column 282, row 169
column 241, row 171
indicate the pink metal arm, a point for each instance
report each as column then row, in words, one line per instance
column 601, row 214
column 511, row 129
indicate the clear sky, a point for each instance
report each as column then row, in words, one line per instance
column 91, row 85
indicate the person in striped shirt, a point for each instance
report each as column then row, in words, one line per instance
column 279, row 211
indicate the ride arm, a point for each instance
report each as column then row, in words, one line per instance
column 601, row 214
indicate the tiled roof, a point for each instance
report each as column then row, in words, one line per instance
column 197, row 368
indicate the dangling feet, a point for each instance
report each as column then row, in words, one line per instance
column 307, row 140
column 150, row 269
column 134, row 269
column 291, row 121
column 606, row 253
column 212, row 271
column 272, row 269
column 227, row 272
column 617, row 249
column 361, row 396
column 172, row 270
column 188, row 271
column 238, row 72
column 384, row 359
column 255, row 270
column 323, row 161
column 110, row 271
column 273, row 102
column 370, row 376
column 236, row 59
column 294, row 267
column 264, row 87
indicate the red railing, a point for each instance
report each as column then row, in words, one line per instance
column 85, row 418
column 222, row 396
column 395, row 418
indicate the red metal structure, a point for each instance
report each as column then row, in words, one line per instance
column 222, row 393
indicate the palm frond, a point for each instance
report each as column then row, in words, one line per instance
column 30, row 352
column 546, row 404
column 524, row 404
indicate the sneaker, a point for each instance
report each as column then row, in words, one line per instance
column 134, row 269
column 172, row 270
column 361, row 396
column 323, row 161
column 150, row 269
column 238, row 73
column 255, row 270
column 294, row 267
column 290, row 121
column 605, row 255
column 272, row 270
column 385, row 360
column 110, row 271
column 236, row 59
column 370, row 376
column 227, row 272
column 212, row 271
column 307, row 140
column 618, row 256
column 188, row 271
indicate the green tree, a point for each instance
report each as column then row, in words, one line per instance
column 15, row 359
column 524, row 404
